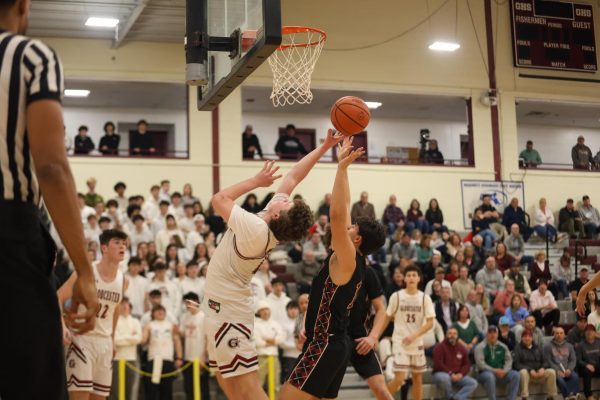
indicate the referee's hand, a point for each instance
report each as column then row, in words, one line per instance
column 84, row 293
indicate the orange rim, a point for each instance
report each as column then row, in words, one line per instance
column 288, row 30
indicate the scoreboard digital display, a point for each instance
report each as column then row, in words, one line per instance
column 553, row 35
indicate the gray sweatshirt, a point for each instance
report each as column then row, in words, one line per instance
column 492, row 280
column 561, row 356
column 478, row 316
column 515, row 245
column 588, row 353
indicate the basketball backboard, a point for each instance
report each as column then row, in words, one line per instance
column 227, row 40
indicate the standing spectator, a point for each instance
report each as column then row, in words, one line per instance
column 141, row 142
column 120, row 198
column 277, row 300
column 561, row 358
column 290, row 346
column 195, row 237
column 165, row 190
column 446, row 310
column 393, row 217
column 164, row 236
column 570, row 221
column 529, row 361
column 170, row 297
column 192, row 282
column 530, row 326
column 163, row 340
column 462, row 286
column 363, row 208
column 288, row 146
column 109, row 143
column 325, row 206
column 140, row 234
column 432, row 155
column 250, row 144
column 250, row 204
column 194, row 345
column 494, row 363
column 521, row 283
column 91, row 197
column 83, row 143
column 268, row 335
column 590, row 217
column 581, row 155
column 514, row 214
column 468, row 333
column 543, row 306
column 189, row 198
column 451, row 367
column 588, row 359
column 415, row 218
column 136, row 290
column 435, row 217
column 576, row 334
column 544, row 222
column 531, row 158
column 505, row 335
column 491, row 279
column 477, row 312
column 128, row 334
column 563, row 274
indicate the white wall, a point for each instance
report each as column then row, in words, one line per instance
column 94, row 119
column 381, row 132
column 554, row 143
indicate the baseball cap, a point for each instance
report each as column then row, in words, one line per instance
column 504, row 321
column 261, row 305
column 492, row 328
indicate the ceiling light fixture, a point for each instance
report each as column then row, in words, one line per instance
column 373, row 105
column 97, row 22
column 77, row 93
column 444, row 46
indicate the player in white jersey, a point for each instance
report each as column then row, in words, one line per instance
column 228, row 300
column 89, row 356
column 413, row 313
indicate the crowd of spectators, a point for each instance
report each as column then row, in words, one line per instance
column 141, row 142
column 484, row 301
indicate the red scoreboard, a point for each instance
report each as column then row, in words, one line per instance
column 553, row 35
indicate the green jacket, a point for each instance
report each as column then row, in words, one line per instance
column 488, row 357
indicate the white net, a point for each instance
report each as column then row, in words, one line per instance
column 293, row 64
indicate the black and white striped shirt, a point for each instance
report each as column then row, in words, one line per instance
column 29, row 71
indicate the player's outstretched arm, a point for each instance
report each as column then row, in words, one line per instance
column 224, row 200
column 582, row 295
column 303, row 167
column 340, row 214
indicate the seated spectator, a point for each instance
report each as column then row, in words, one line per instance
column 432, row 155
column 590, row 218
column 192, row 282
column 531, row 158
column 440, row 274
column 453, row 273
column 109, row 143
column 530, row 326
column 515, row 246
column 321, row 227
column 396, row 284
column 504, row 299
column 516, row 313
column 306, row 270
column 544, row 223
column 562, row 274
column 576, row 334
column 186, row 223
column 476, row 311
column 578, row 283
column 250, row 144
column 514, row 214
column 543, row 306
column 474, row 255
column 424, row 251
column 121, row 199
column 83, row 143
column 277, row 301
column 315, row 245
column 521, row 283
column 581, row 155
column 435, row 217
column 189, row 198
column 176, row 207
column 403, row 249
column 290, row 346
column 529, row 360
column 462, row 286
column 429, row 269
column 191, row 328
column 540, row 269
column 170, row 296
column 490, row 277
column 588, row 359
column 454, row 245
column 250, row 204
column 363, row 208
column 505, row 335
column 561, row 358
column 268, row 335
column 569, row 220
column 127, row 335
column 446, row 309
column 288, row 146
column 451, row 367
column 163, row 237
column 491, row 215
column 91, row 197
column 324, row 206
column 141, row 141
column 593, row 318
column 468, row 333
column 393, row 217
column 141, row 233
column 415, row 218
column 484, row 299
column 503, row 260
column 432, row 338
column 481, row 227
column 494, row 363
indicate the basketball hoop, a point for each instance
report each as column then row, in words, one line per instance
column 293, row 64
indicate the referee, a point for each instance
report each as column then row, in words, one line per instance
column 33, row 162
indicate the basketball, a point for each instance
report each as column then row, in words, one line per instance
column 350, row 115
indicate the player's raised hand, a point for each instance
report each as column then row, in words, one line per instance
column 84, row 292
column 333, row 137
column 350, row 158
column 266, row 176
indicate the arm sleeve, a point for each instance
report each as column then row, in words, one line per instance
column 581, row 361
column 479, row 358
column 251, row 232
column 43, row 73
column 438, row 360
column 507, row 359
column 517, row 359
column 572, row 358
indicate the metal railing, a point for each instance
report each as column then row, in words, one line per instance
column 125, row 153
column 558, row 167
column 383, row 160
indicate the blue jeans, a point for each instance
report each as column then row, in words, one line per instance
column 489, row 381
column 591, row 229
column 466, row 385
column 489, row 236
column 526, row 260
column 391, row 229
column 544, row 231
column 568, row 386
column 563, row 287
column 420, row 224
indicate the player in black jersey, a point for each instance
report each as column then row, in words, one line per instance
column 365, row 334
column 322, row 364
